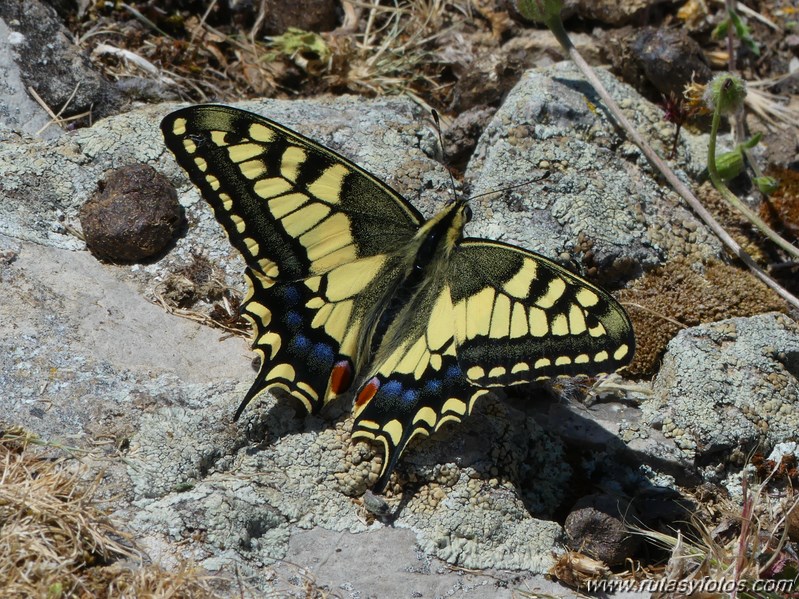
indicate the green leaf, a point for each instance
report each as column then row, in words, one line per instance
column 752, row 141
column 295, row 41
column 743, row 33
column 542, row 11
column 721, row 30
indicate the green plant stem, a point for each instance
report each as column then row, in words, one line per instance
column 556, row 27
column 738, row 132
column 732, row 198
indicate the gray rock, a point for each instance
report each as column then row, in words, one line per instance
column 18, row 111
column 599, row 187
column 52, row 65
column 728, row 386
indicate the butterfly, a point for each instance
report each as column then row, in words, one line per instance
column 351, row 292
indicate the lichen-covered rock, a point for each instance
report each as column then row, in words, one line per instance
column 727, row 385
column 594, row 205
column 189, row 466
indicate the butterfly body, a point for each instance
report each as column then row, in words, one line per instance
column 419, row 268
column 352, row 292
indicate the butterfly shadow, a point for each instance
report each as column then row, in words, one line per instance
column 553, row 452
column 284, row 416
column 600, row 463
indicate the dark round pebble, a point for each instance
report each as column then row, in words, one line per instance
column 133, row 216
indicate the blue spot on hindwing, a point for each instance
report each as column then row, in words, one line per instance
column 300, row 344
column 453, row 372
column 432, row 387
column 293, row 320
column 322, row 353
column 392, row 389
column 411, row 396
column 291, row 296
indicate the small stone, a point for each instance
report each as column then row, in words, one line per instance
column 134, row 215
column 792, row 41
column 660, row 60
column 375, row 504
column 792, row 523
column 613, row 12
column 308, row 15
column 596, row 526
column 461, row 136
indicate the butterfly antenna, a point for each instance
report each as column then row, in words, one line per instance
column 443, row 155
column 504, row 189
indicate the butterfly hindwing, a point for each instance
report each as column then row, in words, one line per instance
column 418, row 386
column 519, row 317
column 313, row 229
column 504, row 316
column 395, row 407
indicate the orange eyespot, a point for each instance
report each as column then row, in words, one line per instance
column 369, row 390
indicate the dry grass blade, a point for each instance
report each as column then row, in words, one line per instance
column 152, row 582
column 390, row 53
column 51, row 528
column 134, row 59
column 770, row 107
column 740, row 559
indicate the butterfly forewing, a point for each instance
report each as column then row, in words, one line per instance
column 292, row 207
column 313, row 229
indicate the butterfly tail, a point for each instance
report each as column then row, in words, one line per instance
column 255, row 389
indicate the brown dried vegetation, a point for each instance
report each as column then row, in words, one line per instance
column 57, row 541
column 675, row 296
column 377, row 49
column 781, row 208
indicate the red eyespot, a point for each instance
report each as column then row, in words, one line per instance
column 341, row 377
column 368, row 392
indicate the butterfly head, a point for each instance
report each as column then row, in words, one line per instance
column 460, row 205
column 453, row 219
